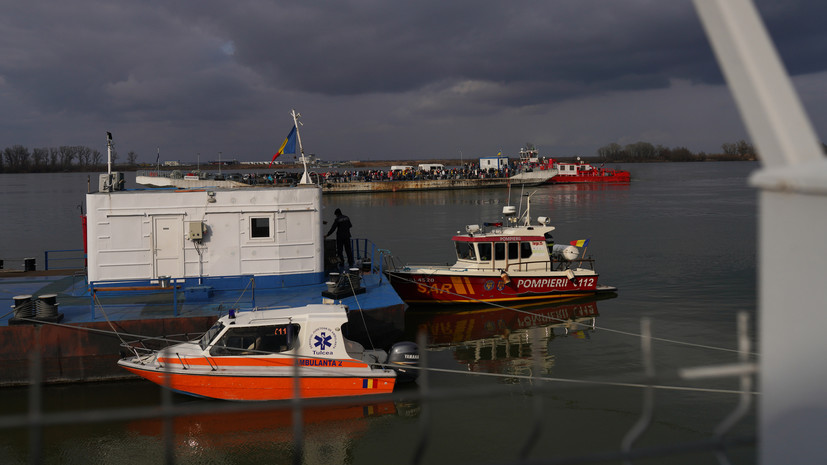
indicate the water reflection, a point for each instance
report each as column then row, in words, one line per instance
column 449, row 198
column 329, row 432
column 504, row 340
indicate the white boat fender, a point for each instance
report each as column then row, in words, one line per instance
column 570, row 275
column 566, row 253
column 504, row 276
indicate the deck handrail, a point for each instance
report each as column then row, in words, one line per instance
column 48, row 259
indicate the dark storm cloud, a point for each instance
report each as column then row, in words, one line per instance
column 798, row 31
column 216, row 73
column 120, row 61
column 345, row 48
column 552, row 50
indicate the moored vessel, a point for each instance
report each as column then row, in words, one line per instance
column 511, row 261
column 581, row 172
column 273, row 354
column 531, row 168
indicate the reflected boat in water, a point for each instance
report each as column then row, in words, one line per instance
column 328, row 429
column 504, row 340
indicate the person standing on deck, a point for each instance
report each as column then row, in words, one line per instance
column 342, row 227
column 549, row 245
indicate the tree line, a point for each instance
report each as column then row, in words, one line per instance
column 19, row 159
column 646, row 152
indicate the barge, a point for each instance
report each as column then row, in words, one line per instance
column 164, row 265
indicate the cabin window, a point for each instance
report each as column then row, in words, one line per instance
column 513, row 250
column 259, row 227
column 484, row 249
column 499, row 251
column 257, row 340
column 525, row 249
column 465, row 251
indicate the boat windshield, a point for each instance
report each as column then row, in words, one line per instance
column 485, row 251
column 465, row 251
column 250, row 340
column 210, row 334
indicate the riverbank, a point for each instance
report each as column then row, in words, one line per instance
column 448, row 162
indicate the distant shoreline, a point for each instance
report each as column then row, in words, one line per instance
column 348, row 165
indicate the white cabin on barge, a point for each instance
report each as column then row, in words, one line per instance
column 274, row 235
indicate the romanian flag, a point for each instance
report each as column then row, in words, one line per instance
column 580, row 243
column 370, row 383
column 288, row 146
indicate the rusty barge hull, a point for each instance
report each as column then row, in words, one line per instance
column 84, row 352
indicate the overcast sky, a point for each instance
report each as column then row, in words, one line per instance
column 377, row 79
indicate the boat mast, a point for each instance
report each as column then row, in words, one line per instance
column 527, row 214
column 108, row 152
column 305, row 178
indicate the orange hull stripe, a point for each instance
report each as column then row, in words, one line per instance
column 470, row 287
column 248, row 361
column 264, row 388
column 458, row 284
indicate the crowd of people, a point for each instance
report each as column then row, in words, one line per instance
column 466, row 171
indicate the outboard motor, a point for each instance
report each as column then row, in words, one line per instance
column 402, row 355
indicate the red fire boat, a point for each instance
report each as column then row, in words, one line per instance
column 581, row 172
column 511, row 261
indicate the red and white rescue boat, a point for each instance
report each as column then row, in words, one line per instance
column 256, row 355
column 581, row 172
column 514, row 261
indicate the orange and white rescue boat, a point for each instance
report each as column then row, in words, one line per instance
column 257, row 355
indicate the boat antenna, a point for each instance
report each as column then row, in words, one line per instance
column 527, row 214
column 108, row 152
column 305, row 178
column 520, row 209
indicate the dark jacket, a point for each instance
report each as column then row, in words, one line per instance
column 342, row 227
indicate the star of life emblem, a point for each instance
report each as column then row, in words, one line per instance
column 323, row 341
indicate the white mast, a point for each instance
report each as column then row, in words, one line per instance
column 108, row 152
column 305, row 178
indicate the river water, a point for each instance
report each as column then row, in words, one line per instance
column 679, row 243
